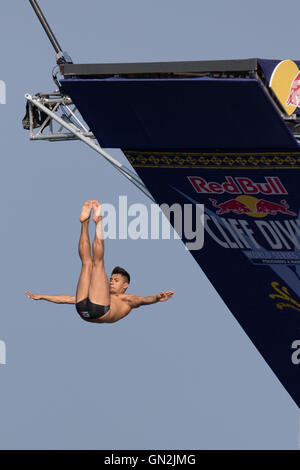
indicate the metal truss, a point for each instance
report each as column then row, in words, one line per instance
column 54, row 102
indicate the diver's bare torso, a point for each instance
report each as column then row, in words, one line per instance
column 120, row 306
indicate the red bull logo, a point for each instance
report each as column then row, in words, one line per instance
column 232, row 205
column 294, row 96
column 252, row 206
column 272, row 208
column 285, row 82
column 238, row 185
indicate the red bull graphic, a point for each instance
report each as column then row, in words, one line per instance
column 252, row 206
column 232, row 205
column 272, row 208
column 238, row 185
column 285, row 82
column 294, row 95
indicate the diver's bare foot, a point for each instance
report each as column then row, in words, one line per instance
column 86, row 211
column 97, row 211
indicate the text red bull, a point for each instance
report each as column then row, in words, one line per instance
column 238, row 185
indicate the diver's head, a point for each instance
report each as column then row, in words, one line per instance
column 119, row 280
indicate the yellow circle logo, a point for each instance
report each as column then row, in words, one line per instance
column 285, row 82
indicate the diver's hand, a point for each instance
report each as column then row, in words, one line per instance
column 163, row 296
column 32, row 296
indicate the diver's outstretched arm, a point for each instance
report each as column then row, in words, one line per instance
column 58, row 299
column 136, row 301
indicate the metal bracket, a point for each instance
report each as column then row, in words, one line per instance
column 53, row 102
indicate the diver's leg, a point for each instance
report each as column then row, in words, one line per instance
column 99, row 286
column 84, row 249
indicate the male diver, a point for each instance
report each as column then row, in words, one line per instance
column 97, row 299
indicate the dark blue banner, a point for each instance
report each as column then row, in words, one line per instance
column 182, row 114
column 251, row 250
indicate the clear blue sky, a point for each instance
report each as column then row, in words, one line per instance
column 177, row 375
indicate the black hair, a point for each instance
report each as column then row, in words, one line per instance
column 122, row 271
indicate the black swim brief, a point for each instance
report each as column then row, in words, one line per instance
column 88, row 310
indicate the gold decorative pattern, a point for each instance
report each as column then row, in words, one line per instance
column 268, row 160
column 283, row 293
